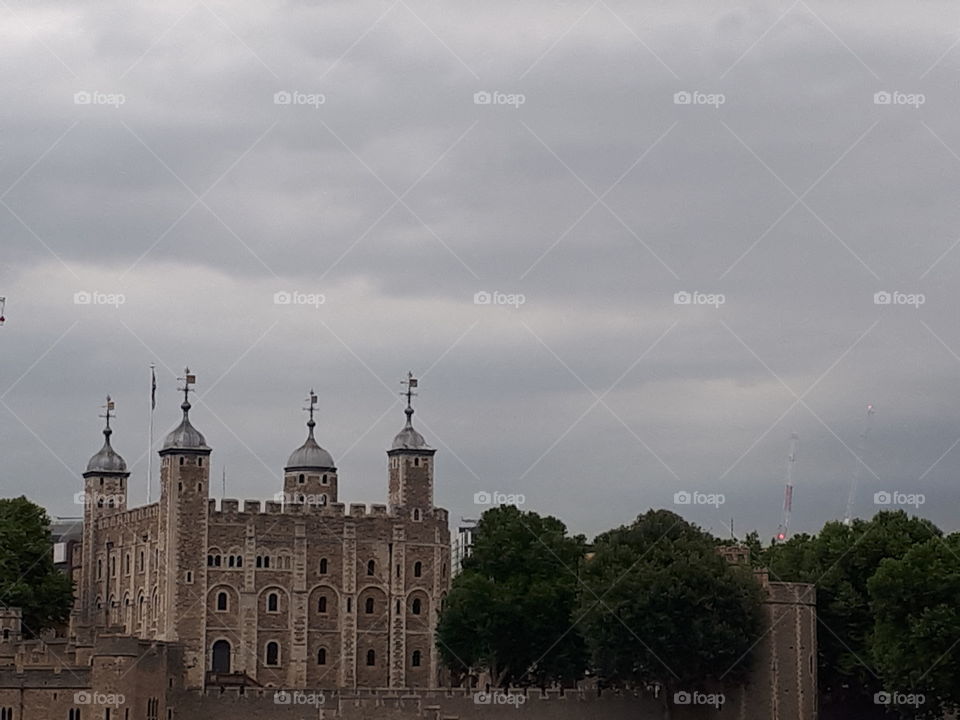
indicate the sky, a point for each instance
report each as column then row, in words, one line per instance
column 627, row 248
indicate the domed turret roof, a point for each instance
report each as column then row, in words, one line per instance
column 185, row 436
column 107, row 460
column 310, row 455
column 408, row 438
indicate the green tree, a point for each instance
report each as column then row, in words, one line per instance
column 511, row 611
column 28, row 578
column 665, row 608
column 915, row 602
column 840, row 560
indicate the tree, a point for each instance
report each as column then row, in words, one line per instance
column 28, row 578
column 915, row 602
column 511, row 611
column 666, row 609
column 840, row 561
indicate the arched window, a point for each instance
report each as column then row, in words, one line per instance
column 417, row 569
column 272, row 657
column 222, row 602
column 417, row 606
column 322, row 656
column 416, row 515
column 259, row 561
column 415, row 660
column 266, row 561
column 301, row 479
column 323, row 566
column 322, row 604
column 368, row 607
column 371, row 567
column 230, row 561
column 371, row 658
column 273, row 602
column 239, row 561
column 217, row 561
column 141, row 601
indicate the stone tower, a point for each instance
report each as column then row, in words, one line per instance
column 104, row 493
column 184, row 522
column 410, row 465
column 310, row 476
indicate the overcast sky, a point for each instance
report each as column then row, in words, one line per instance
column 149, row 158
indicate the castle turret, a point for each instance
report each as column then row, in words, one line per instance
column 184, row 522
column 411, row 464
column 310, row 476
column 104, row 493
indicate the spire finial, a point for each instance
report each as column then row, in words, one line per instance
column 313, row 405
column 411, row 382
column 188, row 379
column 108, row 414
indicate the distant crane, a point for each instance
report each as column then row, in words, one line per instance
column 3, row 308
column 788, row 490
column 861, row 446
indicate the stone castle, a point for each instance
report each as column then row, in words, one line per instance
column 184, row 608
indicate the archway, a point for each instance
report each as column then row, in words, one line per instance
column 221, row 657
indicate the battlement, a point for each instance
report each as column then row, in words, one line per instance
column 233, row 509
column 128, row 517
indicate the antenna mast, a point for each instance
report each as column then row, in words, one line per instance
column 861, row 445
column 784, row 528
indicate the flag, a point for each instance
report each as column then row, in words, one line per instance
column 153, row 389
column 191, row 379
column 412, row 382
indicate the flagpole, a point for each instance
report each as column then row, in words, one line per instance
column 153, row 393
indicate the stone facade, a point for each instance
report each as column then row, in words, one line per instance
column 297, row 592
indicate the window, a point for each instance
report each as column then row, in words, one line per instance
column 140, row 562
column 74, row 714
column 416, row 462
column 217, row 560
column 324, row 480
column 371, row 658
column 398, row 570
column 323, row 566
column 369, row 606
column 126, row 564
column 113, row 567
column 371, row 567
column 99, row 569
column 322, row 604
column 6, row 634
column 417, row 606
column 181, row 461
column 239, row 561
column 189, row 577
column 273, row 603
column 199, row 462
column 417, row 569
column 231, row 561
column 415, row 660
column 301, row 479
column 349, row 605
column 322, row 656
column 416, row 515
column 222, row 602
column 259, row 561
column 272, row 656
column 266, row 561
column 153, row 709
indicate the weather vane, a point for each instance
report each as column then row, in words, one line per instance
column 313, row 405
column 188, row 379
column 411, row 382
column 109, row 411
